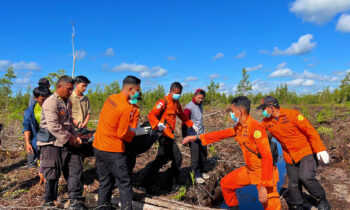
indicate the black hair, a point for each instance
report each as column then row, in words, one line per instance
column 276, row 105
column 81, row 79
column 65, row 79
column 242, row 101
column 176, row 85
column 41, row 91
column 131, row 80
column 200, row 92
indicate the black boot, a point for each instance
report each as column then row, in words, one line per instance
column 76, row 204
column 324, row 204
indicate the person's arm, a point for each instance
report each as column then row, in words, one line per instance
column 155, row 113
column 86, row 121
column 310, row 132
column 29, row 147
column 27, row 128
column 211, row 137
column 184, row 118
column 123, row 129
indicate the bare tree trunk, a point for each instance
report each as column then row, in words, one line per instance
column 74, row 54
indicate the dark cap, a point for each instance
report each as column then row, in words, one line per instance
column 44, row 81
column 266, row 101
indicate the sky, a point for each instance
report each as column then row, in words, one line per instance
column 303, row 43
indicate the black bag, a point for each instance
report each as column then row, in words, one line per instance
column 273, row 148
column 44, row 135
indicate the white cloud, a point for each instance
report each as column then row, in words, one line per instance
column 171, row 58
column 319, row 77
column 303, row 46
column 260, row 86
column 241, row 55
column 319, row 11
column 188, row 79
column 263, row 51
column 109, row 52
column 343, row 24
column 301, row 82
column 80, row 54
column 4, row 63
column 286, row 72
column 26, row 65
column 214, row 76
column 156, row 71
column 254, row 68
column 22, row 81
column 341, row 73
column 145, row 71
column 281, row 65
column 218, row 55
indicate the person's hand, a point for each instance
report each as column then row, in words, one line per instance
column 189, row 139
column 75, row 141
column 195, row 128
column 262, row 194
column 161, row 126
column 29, row 149
column 142, row 130
column 324, row 155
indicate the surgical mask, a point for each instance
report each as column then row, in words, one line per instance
column 135, row 96
column 176, row 96
column 234, row 118
column 265, row 114
column 133, row 101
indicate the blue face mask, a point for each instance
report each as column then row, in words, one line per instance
column 176, row 96
column 135, row 96
column 265, row 114
column 234, row 118
column 133, row 101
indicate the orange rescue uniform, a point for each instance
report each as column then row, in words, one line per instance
column 173, row 108
column 296, row 135
column 259, row 172
column 116, row 118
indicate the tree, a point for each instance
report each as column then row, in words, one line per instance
column 212, row 93
column 244, row 84
column 5, row 86
column 345, row 88
column 53, row 77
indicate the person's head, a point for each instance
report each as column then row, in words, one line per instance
column 81, row 83
column 240, row 108
column 40, row 94
column 269, row 105
column 44, row 82
column 131, row 87
column 199, row 96
column 176, row 90
column 64, row 86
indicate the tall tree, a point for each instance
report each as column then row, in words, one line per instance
column 244, row 84
column 54, row 76
column 5, row 85
column 345, row 88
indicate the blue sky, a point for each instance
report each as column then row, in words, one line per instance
column 304, row 43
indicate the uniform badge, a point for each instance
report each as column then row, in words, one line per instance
column 62, row 112
column 159, row 105
column 300, row 117
column 257, row 134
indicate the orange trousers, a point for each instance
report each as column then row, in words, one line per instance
column 240, row 178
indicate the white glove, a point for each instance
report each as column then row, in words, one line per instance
column 161, row 126
column 195, row 128
column 141, row 130
column 324, row 155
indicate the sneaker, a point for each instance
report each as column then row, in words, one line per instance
column 205, row 176
column 76, row 204
column 200, row 180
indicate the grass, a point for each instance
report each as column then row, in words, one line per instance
column 326, row 131
column 326, row 115
column 192, row 177
column 181, row 194
column 213, row 151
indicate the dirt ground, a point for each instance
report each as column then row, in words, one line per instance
column 19, row 186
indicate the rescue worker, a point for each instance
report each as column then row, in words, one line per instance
column 117, row 126
column 261, row 172
column 300, row 142
column 163, row 118
column 194, row 111
column 58, row 145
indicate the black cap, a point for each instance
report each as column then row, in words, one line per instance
column 44, row 81
column 266, row 101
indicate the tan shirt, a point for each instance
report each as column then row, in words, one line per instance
column 56, row 116
column 81, row 107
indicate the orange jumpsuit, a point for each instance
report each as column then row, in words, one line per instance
column 116, row 118
column 173, row 108
column 259, row 172
column 296, row 135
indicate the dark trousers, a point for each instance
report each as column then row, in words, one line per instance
column 167, row 150
column 33, row 158
column 303, row 174
column 57, row 159
column 112, row 168
column 198, row 156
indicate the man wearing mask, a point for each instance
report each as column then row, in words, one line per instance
column 58, row 144
column 300, row 143
column 194, row 111
column 116, row 127
column 163, row 118
column 259, row 169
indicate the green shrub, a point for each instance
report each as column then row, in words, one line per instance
column 325, row 131
column 181, row 194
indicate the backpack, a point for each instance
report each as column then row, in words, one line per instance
column 273, row 148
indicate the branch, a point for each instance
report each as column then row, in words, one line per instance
column 74, row 54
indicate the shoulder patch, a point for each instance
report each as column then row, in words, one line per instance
column 159, row 105
column 300, row 117
column 257, row 134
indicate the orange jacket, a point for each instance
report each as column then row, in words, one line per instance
column 296, row 135
column 116, row 118
column 253, row 135
column 173, row 108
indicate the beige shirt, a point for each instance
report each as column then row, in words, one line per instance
column 81, row 107
column 56, row 116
